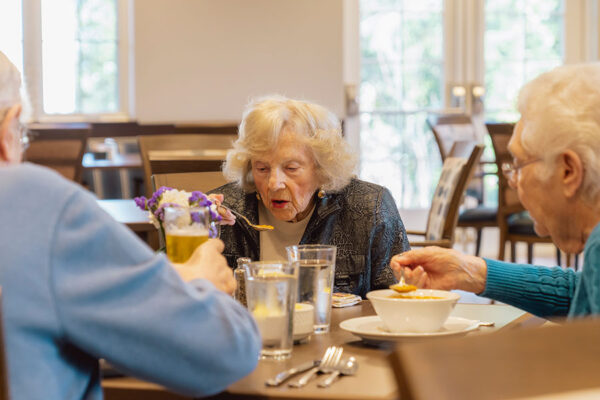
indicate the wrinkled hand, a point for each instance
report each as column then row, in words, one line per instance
column 227, row 217
column 207, row 262
column 439, row 268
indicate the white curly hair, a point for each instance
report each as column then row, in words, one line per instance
column 263, row 122
column 560, row 110
column 10, row 85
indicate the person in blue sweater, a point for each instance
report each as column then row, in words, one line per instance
column 556, row 171
column 78, row 286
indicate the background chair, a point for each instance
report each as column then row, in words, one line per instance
column 502, row 365
column 443, row 214
column 183, row 153
column 59, row 149
column 190, row 181
column 514, row 222
column 448, row 128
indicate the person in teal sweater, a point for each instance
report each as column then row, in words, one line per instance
column 556, row 171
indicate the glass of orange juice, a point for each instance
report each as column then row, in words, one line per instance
column 185, row 229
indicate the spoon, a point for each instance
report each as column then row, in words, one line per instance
column 250, row 224
column 346, row 367
column 402, row 286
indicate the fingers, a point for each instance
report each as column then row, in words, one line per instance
column 227, row 218
column 216, row 198
column 213, row 244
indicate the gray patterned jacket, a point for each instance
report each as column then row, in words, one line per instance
column 362, row 220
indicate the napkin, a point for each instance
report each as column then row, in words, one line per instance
column 344, row 299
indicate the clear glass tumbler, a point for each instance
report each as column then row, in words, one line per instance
column 185, row 229
column 271, row 296
column 315, row 279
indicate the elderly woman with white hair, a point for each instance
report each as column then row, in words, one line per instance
column 291, row 168
column 556, row 171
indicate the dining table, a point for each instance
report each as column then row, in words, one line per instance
column 374, row 379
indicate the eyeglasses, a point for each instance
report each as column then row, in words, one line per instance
column 511, row 170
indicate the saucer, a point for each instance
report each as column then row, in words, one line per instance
column 372, row 329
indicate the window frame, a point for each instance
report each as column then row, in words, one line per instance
column 33, row 72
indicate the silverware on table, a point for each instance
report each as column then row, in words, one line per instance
column 332, row 355
column 283, row 376
column 347, row 366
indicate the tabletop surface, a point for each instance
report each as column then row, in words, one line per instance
column 374, row 378
column 127, row 212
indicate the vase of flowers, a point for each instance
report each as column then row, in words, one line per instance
column 184, row 220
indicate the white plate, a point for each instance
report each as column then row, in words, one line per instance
column 372, row 329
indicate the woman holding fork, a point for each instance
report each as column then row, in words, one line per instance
column 291, row 168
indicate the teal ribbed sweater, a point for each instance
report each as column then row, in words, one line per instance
column 547, row 291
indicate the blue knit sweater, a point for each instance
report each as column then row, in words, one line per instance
column 549, row 291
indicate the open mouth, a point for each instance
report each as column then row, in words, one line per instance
column 279, row 203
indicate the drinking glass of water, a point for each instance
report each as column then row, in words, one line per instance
column 271, row 297
column 185, row 229
column 315, row 279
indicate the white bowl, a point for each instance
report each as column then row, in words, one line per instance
column 413, row 314
column 304, row 320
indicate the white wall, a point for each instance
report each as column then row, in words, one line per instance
column 201, row 60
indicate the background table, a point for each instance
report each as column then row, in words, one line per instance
column 374, row 378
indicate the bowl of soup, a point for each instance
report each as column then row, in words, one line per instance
column 422, row 310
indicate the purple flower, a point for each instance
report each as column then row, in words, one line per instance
column 196, row 217
column 141, row 202
column 153, row 202
column 200, row 199
column 214, row 216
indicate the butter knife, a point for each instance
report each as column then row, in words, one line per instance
column 282, row 376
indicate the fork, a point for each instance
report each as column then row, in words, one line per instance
column 333, row 366
column 250, row 224
column 327, row 361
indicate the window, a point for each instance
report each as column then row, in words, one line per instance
column 75, row 65
column 80, row 56
column 414, row 53
column 401, row 78
column 523, row 38
column 11, row 32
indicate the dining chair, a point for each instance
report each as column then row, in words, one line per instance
column 59, row 148
column 510, row 364
column 513, row 220
column 4, row 383
column 443, row 213
column 179, row 153
column 190, row 181
column 448, row 128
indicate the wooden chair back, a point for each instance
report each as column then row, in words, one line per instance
column 190, row 181
column 450, row 128
column 502, row 365
column 179, row 153
column 60, row 150
column 508, row 199
column 456, row 173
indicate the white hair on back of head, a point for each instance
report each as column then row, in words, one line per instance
column 10, row 83
column 560, row 110
column 266, row 119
